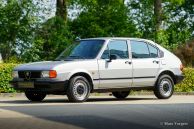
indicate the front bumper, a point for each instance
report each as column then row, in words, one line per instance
column 179, row 78
column 43, row 86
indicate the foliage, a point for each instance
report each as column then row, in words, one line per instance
column 186, row 53
column 5, row 77
column 17, row 23
column 26, row 35
column 141, row 12
column 101, row 19
column 187, row 85
column 50, row 40
column 177, row 23
column 6, row 69
column 14, row 60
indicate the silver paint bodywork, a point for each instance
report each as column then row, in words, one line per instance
column 128, row 75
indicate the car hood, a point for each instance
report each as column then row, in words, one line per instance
column 44, row 65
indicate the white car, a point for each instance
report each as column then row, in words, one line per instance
column 114, row 65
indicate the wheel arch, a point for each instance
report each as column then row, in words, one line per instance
column 84, row 74
column 167, row 72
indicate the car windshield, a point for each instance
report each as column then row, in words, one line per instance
column 85, row 49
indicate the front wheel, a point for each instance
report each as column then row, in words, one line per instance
column 79, row 89
column 35, row 96
column 164, row 87
column 121, row 94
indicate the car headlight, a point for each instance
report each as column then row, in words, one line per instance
column 45, row 74
column 49, row 74
column 15, row 74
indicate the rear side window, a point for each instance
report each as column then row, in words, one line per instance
column 153, row 51
column 139, row 49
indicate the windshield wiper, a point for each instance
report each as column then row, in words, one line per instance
column 74, row 56
column 69, row 58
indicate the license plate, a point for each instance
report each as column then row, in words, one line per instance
column 26, row 84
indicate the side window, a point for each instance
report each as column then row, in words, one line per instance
column 153, row 51
column 139, row 49
column 118, row 48
column 105, row 54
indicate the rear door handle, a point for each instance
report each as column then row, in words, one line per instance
column 127, row 62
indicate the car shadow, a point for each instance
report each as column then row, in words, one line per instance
column 114, row 99
column 67, row 101
column 92, row 116
column 76, row 122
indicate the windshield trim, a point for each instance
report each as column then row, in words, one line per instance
column 102, row 49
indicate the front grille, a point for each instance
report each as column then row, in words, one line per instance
column 29, row 74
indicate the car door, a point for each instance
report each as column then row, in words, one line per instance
column 116, row 73
column 145, row 62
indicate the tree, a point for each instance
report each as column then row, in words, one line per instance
column 50, row 40
column 61, row 9
column 101, row 18
column 159, row 15
column 52, row 37
column 141, row 13
column 170, row 27
column 17, row 24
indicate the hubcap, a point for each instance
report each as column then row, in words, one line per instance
column 80, row 90
column 166, row 87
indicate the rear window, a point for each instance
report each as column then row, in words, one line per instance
column 139, row 49
column 153, row 51
column 142, row 49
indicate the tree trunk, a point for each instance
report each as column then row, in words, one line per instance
column 158, row 15
column 61, row 9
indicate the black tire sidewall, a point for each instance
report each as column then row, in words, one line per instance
column 121, row 94
column 157, row 91
column 70, row 94
column 38, row 97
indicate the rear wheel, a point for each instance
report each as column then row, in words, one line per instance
column 121, row 94
column 164, row 87
column 35, row 96
column 79, row 89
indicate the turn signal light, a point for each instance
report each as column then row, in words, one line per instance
column 181, row 67
column 52, row 74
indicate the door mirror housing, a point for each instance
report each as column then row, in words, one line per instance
column 112, row 57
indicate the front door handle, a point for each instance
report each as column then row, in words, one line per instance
column 155, row 61
column 127, row 62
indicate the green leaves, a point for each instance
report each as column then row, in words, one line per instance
column 5, row 77
column 176, row 1
column 29, row 36
column 187, row 85
column 50, row 40
column 102, row 19
column 177, row 24
column 17, row 24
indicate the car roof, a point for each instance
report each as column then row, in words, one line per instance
column 117, row 38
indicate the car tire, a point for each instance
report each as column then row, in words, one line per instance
column 120, row 94
column 164, row 87
column 35, row 96
column 79, row 89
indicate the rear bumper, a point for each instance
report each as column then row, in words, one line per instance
column 43, row 86
column 179, row 78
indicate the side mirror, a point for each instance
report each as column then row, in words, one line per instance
column 112, row 57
